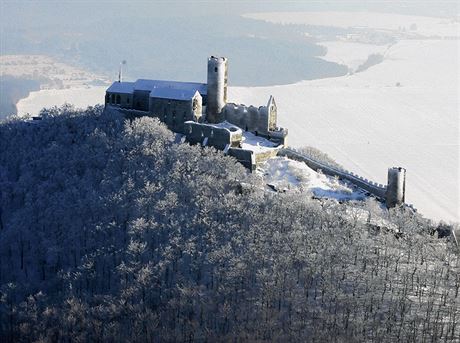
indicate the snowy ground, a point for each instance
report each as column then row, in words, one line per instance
column 352, row 54
column 81, row 97
column 401, row 112
column 256, row 143
column 288, row 175
column 425, row 26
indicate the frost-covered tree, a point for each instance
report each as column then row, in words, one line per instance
column 111, row 232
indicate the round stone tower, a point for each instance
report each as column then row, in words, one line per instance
column 396, row 188
column 217, row 88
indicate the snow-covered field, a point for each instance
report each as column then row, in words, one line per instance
column 426, row 26
column 401, row 112
column 51, row 73
column 352, row 54
column 79, row 97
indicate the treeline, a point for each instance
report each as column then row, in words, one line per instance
column 110, row 232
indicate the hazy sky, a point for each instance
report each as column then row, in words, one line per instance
column 20, row 12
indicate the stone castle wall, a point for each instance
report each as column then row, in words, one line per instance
column 250, row 118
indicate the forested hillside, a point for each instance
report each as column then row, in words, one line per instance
column 111, row 232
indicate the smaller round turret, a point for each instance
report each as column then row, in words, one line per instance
column 396, row 188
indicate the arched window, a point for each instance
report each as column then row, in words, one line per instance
column 113, row 99
column 118, row 99
column 107, row 99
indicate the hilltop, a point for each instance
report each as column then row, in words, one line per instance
column 110, row 231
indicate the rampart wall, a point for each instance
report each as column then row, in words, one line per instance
column 217, row 137
column 246, row 157
column 376, row 189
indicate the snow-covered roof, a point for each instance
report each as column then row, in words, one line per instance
column 174, row 94
column 121, row 87
column 149, row 85
column 188, row 88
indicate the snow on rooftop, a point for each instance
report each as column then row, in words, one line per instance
column 285, row 174
column 149, row 85
column 172, row 93
column 121, row 87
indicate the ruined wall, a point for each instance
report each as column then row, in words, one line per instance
column 217, row 137
column 272, row 114
column 376, row 189
column 245, row 157
column 250, row 118
column 229, row 140
column 263, row 156
column 279, row 136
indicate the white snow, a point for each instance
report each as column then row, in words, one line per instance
column 425, row 26
column 290, row 175
column 79, row 97
column 256, row 143
column 351, row 54
column 401, row 112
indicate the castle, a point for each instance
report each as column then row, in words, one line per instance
column 201, row 113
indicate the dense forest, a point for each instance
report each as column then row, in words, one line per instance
column 109, row 231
